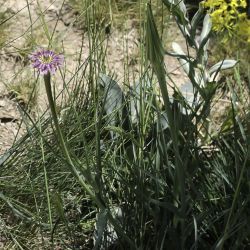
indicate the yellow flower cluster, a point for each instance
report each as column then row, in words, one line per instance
column 229, row 15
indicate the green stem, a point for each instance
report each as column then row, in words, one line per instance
column 55, row 118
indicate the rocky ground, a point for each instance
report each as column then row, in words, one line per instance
column 15, row 69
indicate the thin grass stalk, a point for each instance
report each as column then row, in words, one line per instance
column 46, row 179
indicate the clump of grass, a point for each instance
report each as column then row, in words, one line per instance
column 104, row 12
column 112, row 13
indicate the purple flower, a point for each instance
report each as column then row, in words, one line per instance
column 46, row 61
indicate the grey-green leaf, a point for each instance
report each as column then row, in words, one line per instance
column 226, row 64
column 101, row 225
column 113, row 96
column 207, row 25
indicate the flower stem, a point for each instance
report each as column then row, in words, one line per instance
column 47, row 81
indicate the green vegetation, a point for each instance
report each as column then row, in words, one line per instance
column 4, row 23
column 24, row 91
column 134, row 170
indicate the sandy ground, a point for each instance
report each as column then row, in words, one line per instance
column 70, row 38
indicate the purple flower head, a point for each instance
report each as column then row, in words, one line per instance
column 46, row 61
